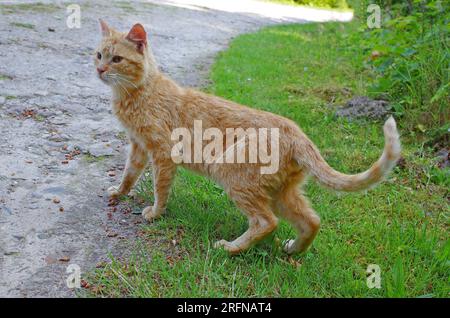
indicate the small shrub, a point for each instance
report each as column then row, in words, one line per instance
column 410, row 56
column 339, row 4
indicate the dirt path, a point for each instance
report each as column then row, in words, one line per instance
column 60, row 145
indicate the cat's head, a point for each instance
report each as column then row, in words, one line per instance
column 123, row 60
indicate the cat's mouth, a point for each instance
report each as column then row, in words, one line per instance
column 103, row 78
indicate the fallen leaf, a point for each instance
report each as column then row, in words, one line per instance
column 113, row 202
column 170, row 260
column 374, row 55
column 126, row 210
column 84, row 284
column 101, row 264
column 97, row 289
column 64, row 259
column 294, row 262
column 10, row 253
column 50, row 260
column 421, row 128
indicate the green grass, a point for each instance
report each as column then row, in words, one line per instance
column 342, row 6
column 401, row 225
column 23, row 25
column 91, row 159
column 126, row 6
column 28, row 7
column 133, row 8
column 4, row 77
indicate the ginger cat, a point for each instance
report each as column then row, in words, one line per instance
column 151, row 106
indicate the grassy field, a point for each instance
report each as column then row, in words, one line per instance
column 301, row 72
column 329, row 5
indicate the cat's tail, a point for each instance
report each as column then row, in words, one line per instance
column 327, row 176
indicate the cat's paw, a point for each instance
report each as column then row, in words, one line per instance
column 150, row 214
column 132, row 193
column 113, row 192
column 227, row 246
column 290, row 247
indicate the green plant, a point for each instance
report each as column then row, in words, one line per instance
column 410, row 57
column 23, row 25
column 331, row 4
column 341, row 4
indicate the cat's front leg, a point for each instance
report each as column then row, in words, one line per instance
column 136, row 163
column 163, row 175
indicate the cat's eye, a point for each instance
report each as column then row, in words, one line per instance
column 117, row 59
column 99, row 55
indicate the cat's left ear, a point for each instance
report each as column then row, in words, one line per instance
column 138, row 36
column 106, row 31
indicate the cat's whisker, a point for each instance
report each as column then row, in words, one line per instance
column 123, row 78
column 122, row 86
column 119, row 78
column 134, row 85
column 114, row 81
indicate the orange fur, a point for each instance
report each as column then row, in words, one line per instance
column 150, row 106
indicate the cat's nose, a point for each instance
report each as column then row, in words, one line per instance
column 101, row 70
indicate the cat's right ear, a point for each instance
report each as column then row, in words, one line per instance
column 138, row 36
column 106, row 31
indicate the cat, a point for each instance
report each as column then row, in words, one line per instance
column 151, row 106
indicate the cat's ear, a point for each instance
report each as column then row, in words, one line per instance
column 106, row 31
column 138, row 36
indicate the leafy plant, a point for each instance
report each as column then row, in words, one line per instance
column 335, row 4
column 410, row 57
column 341, row 4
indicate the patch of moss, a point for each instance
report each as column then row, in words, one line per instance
column 126, row 6
column 91, row 159
column 33, row 7
column 23, row 25
column 5, row 77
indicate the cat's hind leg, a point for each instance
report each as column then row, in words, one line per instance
column 295, row 208
column 136, row 163
column 261, row 220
